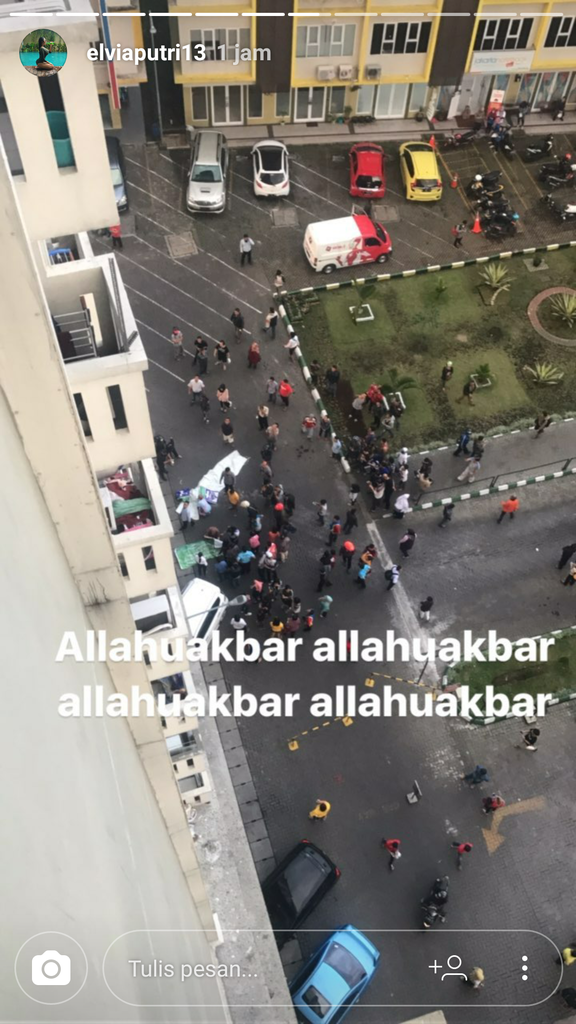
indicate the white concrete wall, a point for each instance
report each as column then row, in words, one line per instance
column 109, row 448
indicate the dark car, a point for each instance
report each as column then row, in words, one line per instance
column 118, row 172
column 367, row 174
column 296, row 886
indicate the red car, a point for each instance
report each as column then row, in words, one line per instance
column 367, row 175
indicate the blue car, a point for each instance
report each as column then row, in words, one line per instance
column 334, row 978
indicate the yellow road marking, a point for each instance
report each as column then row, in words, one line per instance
column 492, row 835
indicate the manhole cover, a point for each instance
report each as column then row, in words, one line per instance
column 387, row 214
column 285, row 217
column 181, row 245
column 337, row 159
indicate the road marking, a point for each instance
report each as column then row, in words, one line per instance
column 149, row 170
column 160, row 367
column 492, row 835
column 170, row 311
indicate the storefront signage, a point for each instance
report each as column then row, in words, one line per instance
column 501, row 61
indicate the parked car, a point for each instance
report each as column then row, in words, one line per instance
column 271, row 172
column 296, row 887
column 204, row 607
column 345, row 241
column 367, row 170
column 334, row 978
column 420, row 173
column 206, row 192
column 118, row 172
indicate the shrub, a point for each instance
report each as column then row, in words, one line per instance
column 363, row 292
column 544, row 374
column 564, row 308
column 494, row 274
column 482, row 372
column 396, row 382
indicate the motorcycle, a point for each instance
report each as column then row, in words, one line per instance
column 502, row 142
column 433, row 905
column 559, row 173
column 498, row 217
column 460, row 139
column 539, row 149
column 483, row 185
column 500, row 229
column 499, row 204
column 565, row 212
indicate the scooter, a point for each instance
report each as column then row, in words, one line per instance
column 434, row 904
column 498, row 217
column 560, row 173
column 500, row 229
column 460, row 139
column 539, row 149
column 499, row 204
column 502, row 142
column 565, row 212
column 483, row 185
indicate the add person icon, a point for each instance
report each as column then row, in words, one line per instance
column 453, row 973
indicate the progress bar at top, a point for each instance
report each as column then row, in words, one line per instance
column 275, row 14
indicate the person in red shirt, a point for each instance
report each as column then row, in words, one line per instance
column 116, row 233
column 285, row 390
column 492, row 803
column 392, row 846
column 461, row 849
column 335, row 531
column 509, row 507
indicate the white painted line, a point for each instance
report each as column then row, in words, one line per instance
column 521, row 483
column 502, row 487
column 538, row 479
column 173, row 315
column 427, row 504
column 444, row 448
column 465, row 497
column 494, row 436
column 310, row 14
column 515, row 432
column 160, row 367
column 558, row 474
column 485, row 490
column 446, row 501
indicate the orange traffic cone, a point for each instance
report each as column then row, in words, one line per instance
column 432, row 141
column 477, row 230
column 454, row 182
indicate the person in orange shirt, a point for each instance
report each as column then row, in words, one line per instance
column 116, row 235
column 509, row 507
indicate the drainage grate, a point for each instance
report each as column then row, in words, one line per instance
column 285, row 217
column 387, row 214
column 181, row 245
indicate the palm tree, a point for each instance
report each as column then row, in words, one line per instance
column 395, row 381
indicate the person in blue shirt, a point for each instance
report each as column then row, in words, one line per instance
column 363, row 575
column 463, row 442
column 245, row 557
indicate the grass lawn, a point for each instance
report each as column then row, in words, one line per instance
column 417, row 328
column 557, row 675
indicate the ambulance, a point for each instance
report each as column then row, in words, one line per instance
column 345, row 242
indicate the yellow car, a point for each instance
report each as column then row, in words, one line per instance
column 420, row 172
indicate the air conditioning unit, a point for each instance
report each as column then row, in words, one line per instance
column 345, row 72
column 325, row 74
column 373, row 71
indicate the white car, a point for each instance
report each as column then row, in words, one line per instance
column 204, row 607
column 271, row 174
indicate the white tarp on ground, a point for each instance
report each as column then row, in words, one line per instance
column 210, row 485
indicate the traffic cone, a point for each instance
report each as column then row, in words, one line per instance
column 454, row 182
column 432, row 141
column 477, row 230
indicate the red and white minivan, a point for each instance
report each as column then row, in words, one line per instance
column 344, row 242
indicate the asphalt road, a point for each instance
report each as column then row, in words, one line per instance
column 481, row 576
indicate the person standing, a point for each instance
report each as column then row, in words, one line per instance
column 476, row 978
column 272, row 435
column 293, row 624
column 401, row 506
column 458, row 232
column 309, row 424
column 377, row 491
column 271, row 322
column 177, row 339
column 266, row 472
column 467, row 391
column 325, row 429
column 238, row 323
column 228, row 479
column 351, row 521
column 272, row 387
column 334, row 531
column 321, row 811
column 529, row 740
column 447, row 374
column 205, row 407
column 321, row 510
column 246, row 246
column 227, row 431
column 461, row 849
column 325, row 604
column 509, row 508
column 245, row 559
column 116, row 235
column 347, row 553
column 285, row 390
column 407, row 543
column 195, row 388
column 292, row 344
column 566, row 555
column 279, row 280
column 478, row 447
column 568, row 956
column 223, row 396
column 447, row 513
column 262, row 417
column 463, row 442
column 541, row 423
column 492, row 803
column 363, row 574
column 201, row 567
column 202, row 361
column 331, row 380
column 471, row 470
column 392, row 847
column 222, row 355
column 186, row 517
column 254, row 356
column 388, row 489
column 393, row 575
column 309, row 620
column 570, row 579
column 426, row 608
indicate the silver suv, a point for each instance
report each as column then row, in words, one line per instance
column 207, row 176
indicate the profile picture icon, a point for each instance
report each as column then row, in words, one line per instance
column 43, row 52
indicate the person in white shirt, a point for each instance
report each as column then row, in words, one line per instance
column 401, row 506
column 177, row 339
column 271, row 322
column 292, row 344
column 195, row 388
column 246, row 246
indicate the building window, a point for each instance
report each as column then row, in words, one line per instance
column 337, row 100
column 219, row 43
column 57, row 122
column 562, row 32
column 418, row 95
column 104, row 101
column 365, row 99
column 117, row 407
column 199, row 105
column 123, row 566
column 148, row 556
column 325, row 40
column 503, row 33
column 400, row 37
column 254, row 101
column 191, row 782
column 8, row 138
column 282, row 104
column 83, row 415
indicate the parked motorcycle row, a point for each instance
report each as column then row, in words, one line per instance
column 497, row 218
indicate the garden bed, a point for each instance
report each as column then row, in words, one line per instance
column 423, row 321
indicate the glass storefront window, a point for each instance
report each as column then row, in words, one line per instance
column 199, row 105
column 365, row 99
column 254, row 101
column 552, row 87
column 418, row 96
column 282, row 104
column 526, row 90
column 571, row 94
column 337, row 98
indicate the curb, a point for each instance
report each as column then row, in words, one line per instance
column 553, row 247
column 503, row 432
column 448, row 679
column 308, row 377
column 487, row 491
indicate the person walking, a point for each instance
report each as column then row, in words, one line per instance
column 392, row 575
column 472, row 469
column 463, row 442
column 567, row 552
column 309, row 620
column 272, row 435
column 426, row 608
column 325, row 604
column 570, row 579
column 223, row 396
column 325, row 429
column 357, row 407
column 309, row 424
column 292, row 344
column 272, row 388
column 347, row 553
column 461, row 849
column 321, row 510
column 529, row 740
column 177, row 340
column 492, row 803
column 377, row 491
column 202, row 361
column 458, row 232
column 116, row 235
column 227, row 431
column 476, row 978
column 266, row 471
column 334, row 531
column 447, row 513
column 388, row 489
column 285, row 390
column 401, row 506
column 351, row 521
column 447, row 374
column 407, row 543
column 195, row 388
column 392, row 847
column 246, row 246
column 238, row 323
column 262, row 417
column 477, row 776
column 279, row 280
column 222, row 355
column 254, row 356
column 205, row 407
column 467, row 391
column 331, row 380
column 228, row 479
column 568, row 955
column 201, row 567
column 363, row 574
column 271, row 322
column 509, row 508
column 541, row 423
column 321, row 811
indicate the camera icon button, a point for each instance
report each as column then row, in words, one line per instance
column 51, row 968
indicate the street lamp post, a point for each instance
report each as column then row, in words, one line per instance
column 153, row 31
